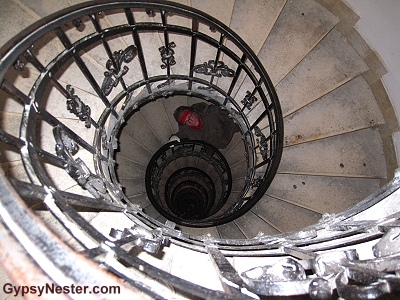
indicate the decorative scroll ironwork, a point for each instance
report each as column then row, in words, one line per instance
column 150, row 241
column 262, row 142
column 77, row 107
column 76, row 168
column 213, row 68
column 167, row 55
column 248, row 100
column 257, row 182
column 341, row 270
column 115, row 68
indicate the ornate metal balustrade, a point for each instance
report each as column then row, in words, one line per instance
column 61, row 130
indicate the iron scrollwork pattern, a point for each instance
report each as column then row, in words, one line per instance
column 167, row 55
column 77, row 107
column 117, row 71
column 218, row 69
column 248, row 100
column 262, row 142
column 76, row 168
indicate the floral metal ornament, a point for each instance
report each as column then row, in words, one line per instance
column 218, row 69
column 77, row 107
column 115, row 70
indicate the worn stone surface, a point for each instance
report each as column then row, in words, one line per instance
column 139, row 129
column 156, row 115
column 330, row 64
column 129, row 169
column 386, row 130
column 246, row 13
column 127, row 146
column 348, row 18
column 272, row 210
column 300, row 26
column 342, row 155
column 329, row 194
column 251, row 225
column 350, row 107
column 12, row 26
column 358, row 42
column 230, row 231
column 200, row 231
column 377, row 67
column 221, row 10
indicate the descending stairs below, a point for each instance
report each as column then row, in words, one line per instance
column 333, row 154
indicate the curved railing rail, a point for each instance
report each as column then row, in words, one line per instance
column 40, row 139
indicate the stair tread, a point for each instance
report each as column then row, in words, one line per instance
column 200, row 231
column 350, row 107
column 221, row 10
column 300, row 26
column 355, row 154
column 151, row 211
column 129, row 169
column 329, row 194
column 139, row 130
column 133, row 186
column 245, row 9
column 157, row 118
column 329, row 65
column 132, row 150
column 250, row 224
column 230, row 231
column 272, row 210
column 139, row 199
column 12, row 26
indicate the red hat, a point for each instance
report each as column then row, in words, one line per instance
column 183, row 116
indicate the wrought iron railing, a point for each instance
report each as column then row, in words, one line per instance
column 318, row 260
column 215, row 178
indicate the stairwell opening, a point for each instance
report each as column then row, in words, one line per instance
column 72, row 159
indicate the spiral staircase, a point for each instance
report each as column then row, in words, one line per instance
column 302, row 202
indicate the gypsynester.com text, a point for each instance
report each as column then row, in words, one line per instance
column 52, row 288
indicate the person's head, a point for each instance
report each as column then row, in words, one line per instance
column 184, row 115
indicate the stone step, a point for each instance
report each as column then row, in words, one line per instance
column 140, row 198
column 230, row 231
column 342, row 155
column 211, row 231
column 300, row 27
column 350, row 107
column 142, row 131
column 251, row 225
column 135, row 186
column 271, row 211
column 129, row 146
column 247, row 13
column 329, row 65
column 321, row 194
column 127, row 168
column 156, row 116
column 151, row 211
